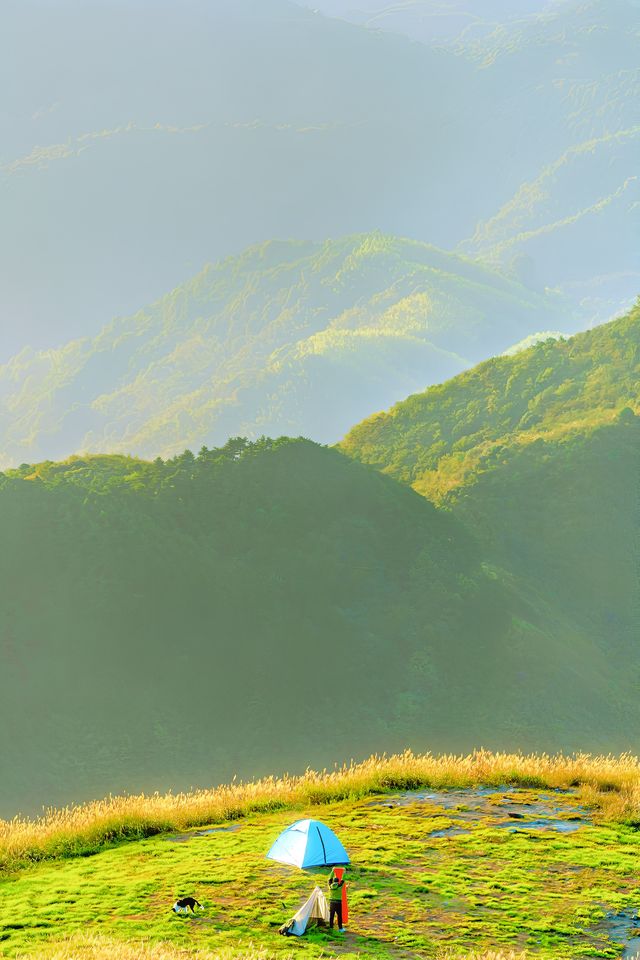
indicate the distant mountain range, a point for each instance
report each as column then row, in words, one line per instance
column 175, row 140
column 451, row 21
column 288, row 338
column 276, row 604
column 557, row 229
column 578, row 55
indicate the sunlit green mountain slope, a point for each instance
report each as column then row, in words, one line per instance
column 555, row 389
column 289, row 338
column 539, row 455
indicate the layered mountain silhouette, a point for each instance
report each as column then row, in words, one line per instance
column 457, row 571
column 288, row 338
column 264, row 606
column 170, row 141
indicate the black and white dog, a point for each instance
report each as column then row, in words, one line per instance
column 186, row 904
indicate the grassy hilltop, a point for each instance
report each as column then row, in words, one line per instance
column 499, row 853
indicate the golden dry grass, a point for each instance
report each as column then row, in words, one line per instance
column 100, row 948
column 610, row 784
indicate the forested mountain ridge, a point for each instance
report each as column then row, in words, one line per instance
column 457, row 572
column 537, row 455
column 241, row 133
column 212, row 612
column 172, row 623
column 436, row 440
column 288, row 338
column 249, row 590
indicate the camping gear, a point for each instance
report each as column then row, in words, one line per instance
column 315, row 908
column 308, row 843
column 339, row 873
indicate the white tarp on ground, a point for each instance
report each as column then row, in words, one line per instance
column 315, row 908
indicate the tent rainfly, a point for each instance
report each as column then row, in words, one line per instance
column 308, row 843
column 315, row 908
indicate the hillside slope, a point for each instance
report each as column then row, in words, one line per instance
column 539, row 454
column 556, row 387
column 170, row 624
column 557, row 228
column 289, row 338
column 178, row 623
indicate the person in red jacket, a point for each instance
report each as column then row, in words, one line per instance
column 336, row 887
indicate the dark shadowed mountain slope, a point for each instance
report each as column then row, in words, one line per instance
column 254, row 608
column 262, row 607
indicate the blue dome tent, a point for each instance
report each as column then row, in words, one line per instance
column 308, row 843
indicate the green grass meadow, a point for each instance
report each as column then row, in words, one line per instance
column 411, row 894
